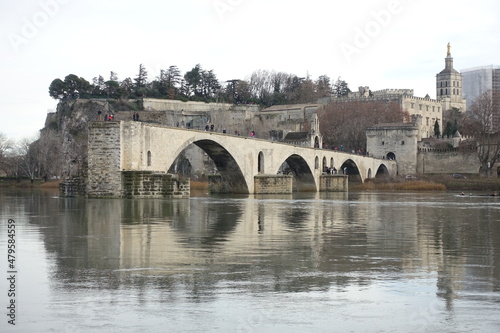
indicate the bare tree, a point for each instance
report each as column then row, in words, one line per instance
column 345, row 123
column 28, row 152
column 485, row 130
column 5, row 146
column 50, row 154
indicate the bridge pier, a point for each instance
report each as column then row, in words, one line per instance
column 273, row 184
column 333, row 183
column 149, row 184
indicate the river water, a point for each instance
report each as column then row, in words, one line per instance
column 342, row 262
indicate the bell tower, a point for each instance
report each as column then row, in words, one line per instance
column 449, row 84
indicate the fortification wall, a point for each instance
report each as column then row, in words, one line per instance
column 447, row 161
column 153, row 104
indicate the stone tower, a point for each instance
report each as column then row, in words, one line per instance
column 449, row 85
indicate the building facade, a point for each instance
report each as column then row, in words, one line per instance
column 403, row 142
column 449, row 86
column 424, row 111
column 478, row 80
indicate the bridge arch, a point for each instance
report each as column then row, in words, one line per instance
column 382, row 171
column 227, row 166
column 350, row 168
column 303, row 178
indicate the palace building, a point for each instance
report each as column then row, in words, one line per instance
column 408, row 142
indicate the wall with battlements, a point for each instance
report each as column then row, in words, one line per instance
column 452, row 160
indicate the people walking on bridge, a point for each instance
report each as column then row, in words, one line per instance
column 252, row 134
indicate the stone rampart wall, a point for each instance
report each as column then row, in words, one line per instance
column 447, row 161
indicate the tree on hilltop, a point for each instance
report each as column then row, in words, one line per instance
column 98, row 86
column 127, row 87
column 113, row 76
column 192, row 80
column 140, row 81
column 341, row 88
column 57, row 89
column 201, row 84
column 72, row 87
column 323, row 86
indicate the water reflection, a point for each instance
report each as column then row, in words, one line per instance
column 270, row 244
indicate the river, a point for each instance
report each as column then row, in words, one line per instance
column 338, row 262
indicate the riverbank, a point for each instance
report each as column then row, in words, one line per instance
column 474, row 183
column 441, row 182
column 27, row 183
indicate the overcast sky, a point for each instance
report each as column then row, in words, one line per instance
column 376, row 43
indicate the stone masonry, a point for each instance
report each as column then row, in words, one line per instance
column 104, row 159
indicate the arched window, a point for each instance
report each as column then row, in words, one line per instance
column 316, row 163
column 149, row 158
column 324, row 165
column 331, row 162
column 260, row 166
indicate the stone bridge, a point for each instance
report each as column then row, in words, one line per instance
column 244, row 164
